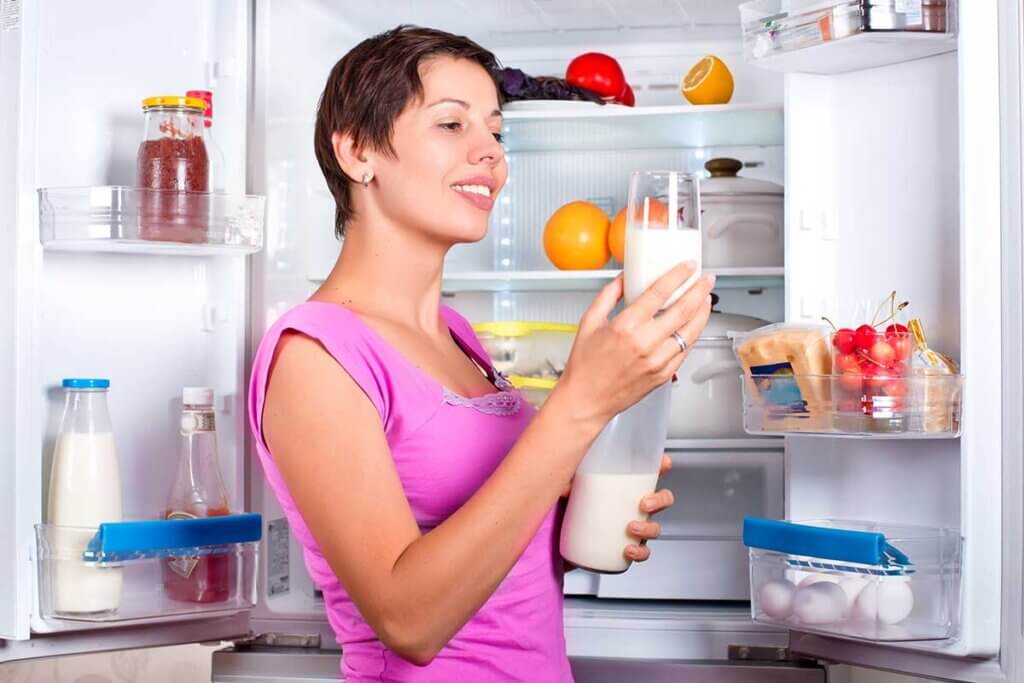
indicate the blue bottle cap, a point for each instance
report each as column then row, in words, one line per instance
column 86, row 383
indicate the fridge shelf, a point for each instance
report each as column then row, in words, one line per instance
column 590, row 280
column 918, row 406
column 586, row 126
column 855, row 580
column 141, row 570
column 837, row 36
column 127, row 219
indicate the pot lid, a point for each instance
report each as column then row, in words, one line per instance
column 724, row 180
column 721, row 324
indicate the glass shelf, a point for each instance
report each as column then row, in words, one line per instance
column 127, row 219
column 916, row 406
column 587, row 126
column 591, row 280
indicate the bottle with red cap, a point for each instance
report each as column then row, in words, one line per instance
column 218, row 181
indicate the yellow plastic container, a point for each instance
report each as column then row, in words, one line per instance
column 534, row 389
column 529, row 349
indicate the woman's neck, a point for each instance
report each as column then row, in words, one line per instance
column 387, row 272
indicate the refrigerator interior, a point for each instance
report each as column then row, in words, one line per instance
column 872, row 172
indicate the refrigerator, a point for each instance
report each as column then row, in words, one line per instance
column 900, row 156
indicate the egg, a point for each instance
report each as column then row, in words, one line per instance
column 852, row 586
column 890, row 601
column 817, row 577
column 776, row 598
column 822, row 602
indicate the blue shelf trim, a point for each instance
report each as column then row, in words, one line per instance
column 840, row 545
column 120, row 541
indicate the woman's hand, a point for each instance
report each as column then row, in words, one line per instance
column 645, row 530
column 614, row 363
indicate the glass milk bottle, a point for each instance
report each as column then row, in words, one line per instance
column 662, row 229
column 619, row 470
column 85, row 491
column 198, row 491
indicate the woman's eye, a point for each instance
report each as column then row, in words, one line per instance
column 498, row 137
column 452, row 126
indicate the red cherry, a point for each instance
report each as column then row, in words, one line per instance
column 846, row 361
column 865, row 337
column 872, row 379
column 896, row 330
column 902, row 346
column 882, row 352
column 845, row 340
column 852, row 381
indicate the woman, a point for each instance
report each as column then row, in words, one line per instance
column 423, row 488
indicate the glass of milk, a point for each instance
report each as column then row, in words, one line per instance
column 662, row 229
column 619, row 470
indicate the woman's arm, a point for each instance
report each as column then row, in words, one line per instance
column 417, row 590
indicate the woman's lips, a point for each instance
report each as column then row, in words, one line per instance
column 477, row 200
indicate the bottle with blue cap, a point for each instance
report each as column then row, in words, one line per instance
column 85, row 491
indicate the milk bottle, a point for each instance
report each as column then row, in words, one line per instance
column 619, row 470
column 85, row 491
column 662, row 229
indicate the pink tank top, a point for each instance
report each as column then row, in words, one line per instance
column 444, row 447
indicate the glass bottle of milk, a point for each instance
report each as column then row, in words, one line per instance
column 662, row 229
column 85, row 491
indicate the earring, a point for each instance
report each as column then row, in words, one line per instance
column 367, row 177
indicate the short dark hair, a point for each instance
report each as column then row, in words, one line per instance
column 369, row 87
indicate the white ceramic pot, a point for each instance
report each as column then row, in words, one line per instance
column 707, row 401
column 741, row 219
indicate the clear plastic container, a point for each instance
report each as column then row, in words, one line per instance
column 109, row 218
column 620, row 468
column 136, row 553
column 856, row 580
column 918, row 405
column 529, row 349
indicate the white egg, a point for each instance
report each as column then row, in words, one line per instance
column 822, row 602
column 889, row 601
column 776, row 598
column 852, row 586
column 817, row 577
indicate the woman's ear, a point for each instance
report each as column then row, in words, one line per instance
column 351, row 159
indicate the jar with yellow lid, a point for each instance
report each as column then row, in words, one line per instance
column 173, row 171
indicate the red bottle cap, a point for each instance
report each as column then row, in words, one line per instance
column 205, row 96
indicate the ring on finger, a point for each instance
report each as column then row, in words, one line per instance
column 682, row 342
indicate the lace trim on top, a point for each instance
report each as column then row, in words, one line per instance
column 505, row 401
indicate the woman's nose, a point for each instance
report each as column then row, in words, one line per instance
column 487, row 151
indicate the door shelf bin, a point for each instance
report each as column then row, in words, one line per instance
column 127, row 571
column 835, row 36
column 918, row 406
column 855, row 580
column 128, row 219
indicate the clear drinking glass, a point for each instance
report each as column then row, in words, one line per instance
column 662, row 229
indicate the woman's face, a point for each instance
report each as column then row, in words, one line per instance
column 449, row 164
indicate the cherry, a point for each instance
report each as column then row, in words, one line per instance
column 896, row 330
column 902, row 347
column 882, row 352
column 896, row 388
column 847, row 361
column 865, row 337
column 872, row 379
column 845, row 340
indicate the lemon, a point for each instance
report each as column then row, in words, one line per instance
column 708, row 82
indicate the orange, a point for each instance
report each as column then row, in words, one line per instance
column 576, row 237
column 709, row 81
column 658, row 213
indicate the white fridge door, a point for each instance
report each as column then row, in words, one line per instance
column 72, row 77
column 921, row 194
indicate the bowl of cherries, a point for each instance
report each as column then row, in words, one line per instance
column 870, row 367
